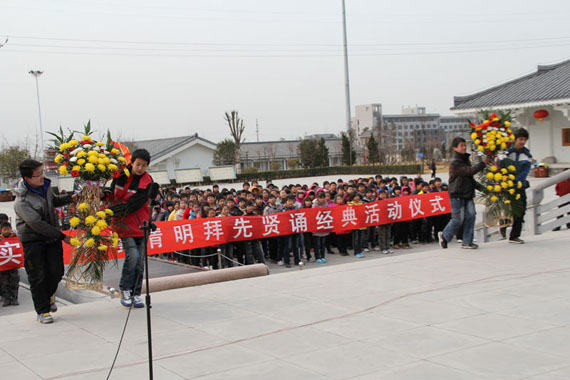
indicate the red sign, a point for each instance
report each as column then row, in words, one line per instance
column 189, row 234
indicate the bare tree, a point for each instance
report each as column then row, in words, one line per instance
column 236, row 131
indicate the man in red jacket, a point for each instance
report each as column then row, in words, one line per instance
column 562, row 188
column 130, row 196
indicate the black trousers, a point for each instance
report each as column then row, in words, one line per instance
column 517, row 221
column 44, row 266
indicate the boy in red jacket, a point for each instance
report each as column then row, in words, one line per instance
column 131, row 197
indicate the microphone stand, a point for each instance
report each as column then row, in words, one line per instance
column 147, row 227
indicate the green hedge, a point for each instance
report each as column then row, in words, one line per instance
column 334, row 170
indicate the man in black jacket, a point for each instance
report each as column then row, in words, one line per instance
column 40, row 235
column 461, row 193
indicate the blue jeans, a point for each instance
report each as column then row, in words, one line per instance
column 132, row 274
column 462, row 214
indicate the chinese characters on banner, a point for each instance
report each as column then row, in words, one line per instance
column 188, row 234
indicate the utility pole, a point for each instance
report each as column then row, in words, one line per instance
column 257, row 129
column 36, row 74
column 347, row 86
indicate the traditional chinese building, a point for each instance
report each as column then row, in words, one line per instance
column 539, row 102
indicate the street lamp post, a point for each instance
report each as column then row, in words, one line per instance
column 347, row 86
column 36, row 74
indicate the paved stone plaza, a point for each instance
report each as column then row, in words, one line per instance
column 501, row 312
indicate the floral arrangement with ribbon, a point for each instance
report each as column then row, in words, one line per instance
column 92, row 163
column 498, row 189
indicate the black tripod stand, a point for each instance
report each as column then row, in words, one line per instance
column 147, row 227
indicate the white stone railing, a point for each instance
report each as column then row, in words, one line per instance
column 546, row 217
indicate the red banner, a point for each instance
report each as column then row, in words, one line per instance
column 189, row 234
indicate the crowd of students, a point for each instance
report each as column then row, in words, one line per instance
column 253, row 199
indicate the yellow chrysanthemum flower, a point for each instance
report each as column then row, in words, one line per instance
column 81, row 161
column 92, row 153
column 101, row 224
column 101, row 167
column 106, row 160
column 95, row 231
column 73, row 143
column 493, row 168
column 127, row 173
column 122, row 159
column 63, row 147
column 519, row 184
column 100, row 144
column 504, row 171
column 101, row 155
column 115, row 151
column 115, row 242
column 112, row 167
column 473, row 135
column 102, row 247
column 86, row 138
column 76, row 168
column 74, row 222
column 507, row 202
column 90, row 220
column 511, row 168
column 511, row 191
column 101, row 161
column 58, row 159
column 83, row 206
column 518, row 197
column 480, row 148
column 93, row 159
column 490, row 187
column 504, row 185
column 490, row 176
column 512, row 137
column 101, row 214
column 503, row 146
column 75, row 242
column 90, row 242
column 498, row 177
column 108, row 211
column 89, row 167
column 511, row 177
column 81, row 154
column 497, row 189
column 507, row 123
column 494, row 198
column 115, row 235
column 511, row 183
column 63, row 170
column 477, row 142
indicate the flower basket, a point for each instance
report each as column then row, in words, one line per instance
column 497, row 217
column 92, row 163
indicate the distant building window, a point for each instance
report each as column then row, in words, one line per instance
column 565, row 136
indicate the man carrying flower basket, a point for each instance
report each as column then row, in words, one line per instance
column 130, row 199
column 521, row 155
column 461, row 193
column 40, row 235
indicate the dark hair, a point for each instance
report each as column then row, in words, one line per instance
column 290, row 197
column 143, row 154
column 456, row 141
column 27, row 167
column 321, row 194
column 3, row 217
column 271, row 195
column 521, row 132
column 5, row 224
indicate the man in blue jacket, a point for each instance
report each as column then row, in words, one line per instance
column 522, row 156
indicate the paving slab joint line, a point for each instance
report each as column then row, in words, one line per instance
column 451, row 286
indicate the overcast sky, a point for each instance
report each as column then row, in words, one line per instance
column 150, row 69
